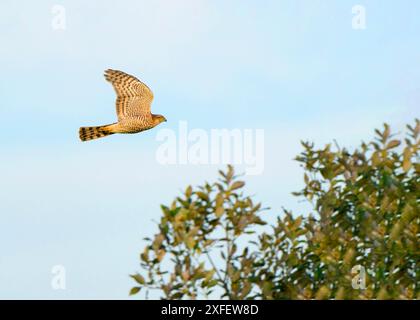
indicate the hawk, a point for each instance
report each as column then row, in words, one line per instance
column 133, row 108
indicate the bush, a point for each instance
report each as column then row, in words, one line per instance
column 360, row 241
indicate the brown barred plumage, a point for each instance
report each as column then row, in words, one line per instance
column 90, row 133
column 133, row 108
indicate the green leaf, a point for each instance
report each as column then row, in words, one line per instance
column 387, row 131
column 139, row 278
column 188, row 191
column 202, row 195
column 376, row 159
column 219, row 212
column 406, row 159
column 219, row 205
column 134, row 290
column 393, row 144
column 190, row 242
column 212, row 283
column 237, row 185
column 230, row 173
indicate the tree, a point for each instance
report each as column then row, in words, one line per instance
column 360, row 242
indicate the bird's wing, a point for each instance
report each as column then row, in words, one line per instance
column 133, row 96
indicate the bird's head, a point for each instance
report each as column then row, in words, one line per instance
column 158, row 118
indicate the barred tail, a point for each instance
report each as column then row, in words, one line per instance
column 90, row 133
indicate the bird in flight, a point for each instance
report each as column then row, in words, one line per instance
column 133, row 108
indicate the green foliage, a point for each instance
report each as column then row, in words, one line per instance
column 211, row 240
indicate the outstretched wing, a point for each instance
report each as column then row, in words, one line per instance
column 133, row 96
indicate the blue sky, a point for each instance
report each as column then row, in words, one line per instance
column 296, row 69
